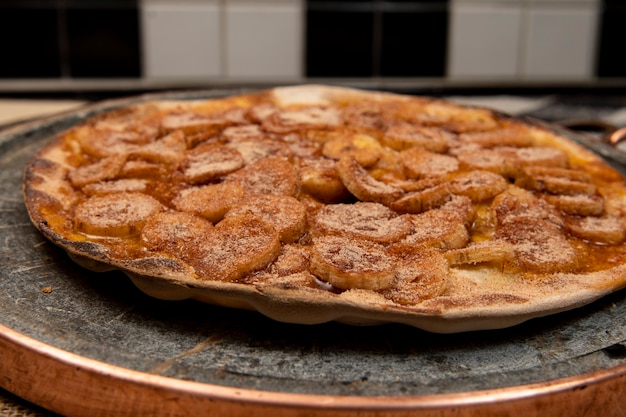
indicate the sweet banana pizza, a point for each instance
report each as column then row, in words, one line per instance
column 312, row 204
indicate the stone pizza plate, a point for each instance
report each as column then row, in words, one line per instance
column 83, row 343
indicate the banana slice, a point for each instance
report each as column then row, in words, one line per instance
column 128, row 185
column 319, row 178
column 514, row 135
column 365, row 116
column 421, row 273
column 142, row 169
column 479, row 252
column 209, row 201
column 424, row 200
column 352, row 263
column 168, row 150
column 253, row 150
column 516, row 201
column 286, row 121
column 580, row 205
column 177, row 233
column 209, row 162
column 361, row 220
column 285, row 213
column 478, row 185
column 241, row 245
column 605, row 229
column 363, row 186
column 364, row 148
column 440, row 229
column 103, row 143
column 272, row 175
column 105, row 169
column 234, row 133
column 420, row 163
column 481, row 159
column 193, row 123
column 293, row 259
column 539, row 244
column 537, row 155
column 404, row 136
column 461, row 206
column 115, row 215
column 556, row 181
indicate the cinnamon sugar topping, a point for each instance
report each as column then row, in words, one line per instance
column 411, row 202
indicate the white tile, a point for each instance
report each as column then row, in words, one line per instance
column 561, row 43
column 264, row 39
column 484, row 42
column 181, row 39
column 566, row 2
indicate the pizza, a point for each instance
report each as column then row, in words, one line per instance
column 314, row 203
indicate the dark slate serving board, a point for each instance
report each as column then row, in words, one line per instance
column 102, row 316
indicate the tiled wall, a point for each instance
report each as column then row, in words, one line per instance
column 215, row 41
column 523, row 39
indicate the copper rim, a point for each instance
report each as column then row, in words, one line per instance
column 72, row 385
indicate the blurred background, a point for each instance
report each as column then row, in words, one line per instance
column 87, row 46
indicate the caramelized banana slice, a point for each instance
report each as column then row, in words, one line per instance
column 286, row 121
column 359, row 182
column 168, row 150
column 234, row 133
column 481, row 159
column 605, row 229
column 117, row 186
column 461, row 206
column 352, row 263
column 176, row 233
column 556, row 181
column 514, row 135
column 242, row 245
column 516, row 201
column 115, row 215
column 420, row 163
column 105, row 169
column 457, row 119
column 424, row 200
column 193, row 123
column 539, row 245
column 292, row 259
column 254, row 150
column 539, row 156
column 478, row 252
column 478, row 185
column 209, row 162
column 319, row 178
column 285, row 213
column 364, row 148
column 421, row 273
column 367, row 116
column 439, row 229
column 209, row 201
column 103, row 143
column 271, row 175
column 405, row 136
column 142, row 169
column 371, row 221
column 580, row 205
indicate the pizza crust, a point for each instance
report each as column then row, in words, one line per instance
column 486, row 287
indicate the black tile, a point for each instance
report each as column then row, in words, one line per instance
column 339, row 44
column 104, row 43
column 611, row 61
column 414, row 44
column 30, row 46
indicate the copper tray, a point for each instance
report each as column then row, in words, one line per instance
column 80, row 343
